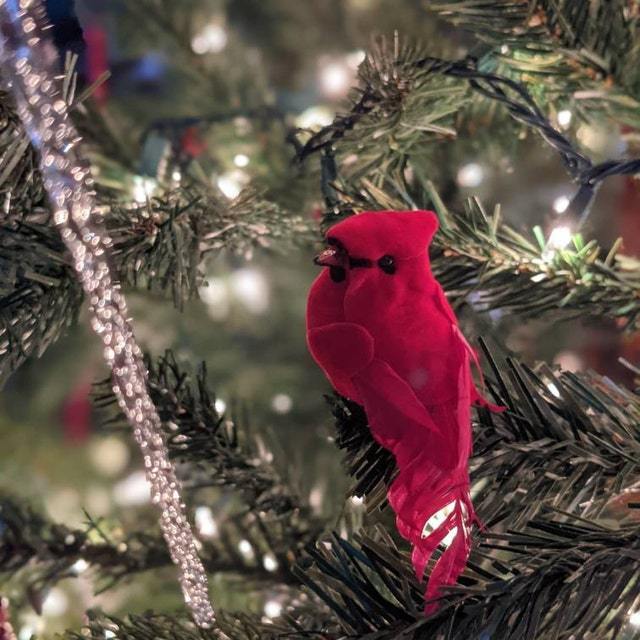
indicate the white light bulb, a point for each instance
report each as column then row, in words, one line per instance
column 269, row 562
column 205, row 523
column 55, row 604
column 143, row 188
column 564, row 118
column 211, row 39
column 133, row 490
column 80, row 566
column 245, row 548
column 357, row 500
column 272, row 609
column 335, row 79
column 560, row 204
column 281, row 403
column 251, row 288
column 314, row 117
column 241, row 160
column 220, row 405
column 560, row 237
column 470, row 175
column 230, row 186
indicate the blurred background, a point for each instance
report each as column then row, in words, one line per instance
column 187, row 81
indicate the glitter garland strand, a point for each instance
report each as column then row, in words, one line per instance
column 30, row 63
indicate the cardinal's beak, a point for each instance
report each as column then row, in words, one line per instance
column 330, row 257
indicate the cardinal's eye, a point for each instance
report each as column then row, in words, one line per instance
column 387, row 264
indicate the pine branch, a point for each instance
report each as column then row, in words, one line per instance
column 564, row 441
column 555, row 579
column 213, row 449
column 598, row 36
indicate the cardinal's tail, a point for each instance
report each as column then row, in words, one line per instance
column 433, row 508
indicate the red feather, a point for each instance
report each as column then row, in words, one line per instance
column 388, row 339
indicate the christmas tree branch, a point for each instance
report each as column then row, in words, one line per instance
column 564, row 440
column 557, row 577
column 552, row 41
column 213, row 449
column 45, row 552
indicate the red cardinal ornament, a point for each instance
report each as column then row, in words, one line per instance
column 380, row 327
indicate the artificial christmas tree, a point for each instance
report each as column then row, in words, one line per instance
column 431, row 126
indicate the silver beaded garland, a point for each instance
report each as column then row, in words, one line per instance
column 30, row 65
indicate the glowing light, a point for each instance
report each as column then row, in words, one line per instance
column 143, row 188
column 230, row 185
column 560, row 237
column 241, row 160
column 436, row 520
column 216, row 297
column 212, row 39
column 561, row 204
column 55, row 604
column 205, row 522
column 80, row 566
column 314, row 117
column 335, row 78
column 634, row 618
column 245, row 548
column 272, row 609
column 357, row 500
column 176, row 176
column 554, row 389
column 132, row 491
column 470, row 175
column 281, row 403
column 564, row 118
column 269, row 562
column 110, row 456
column 220, row 405
column 504, row 49
column 250, row 287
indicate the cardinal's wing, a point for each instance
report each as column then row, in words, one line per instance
column 389, row 399
column 342, row 349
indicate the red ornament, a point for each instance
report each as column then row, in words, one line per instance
column 380, row 327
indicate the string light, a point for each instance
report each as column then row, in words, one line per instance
column 241, row 160
column 212, row 38
column 245, row 548
column 80, row 566
column 281, row 403
column 205, row 522
column 560, row 237
column 143, row 188
column 251, row 288
column 272, row 608
column 230, row 184
column 220, row 406
column 561, row 204
column 314, row 117
column 470, row 175
column 357, row 500
column 564, row 118
column 55, row 603
column 133, row 490
column 269, row 562
column 335, row 79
